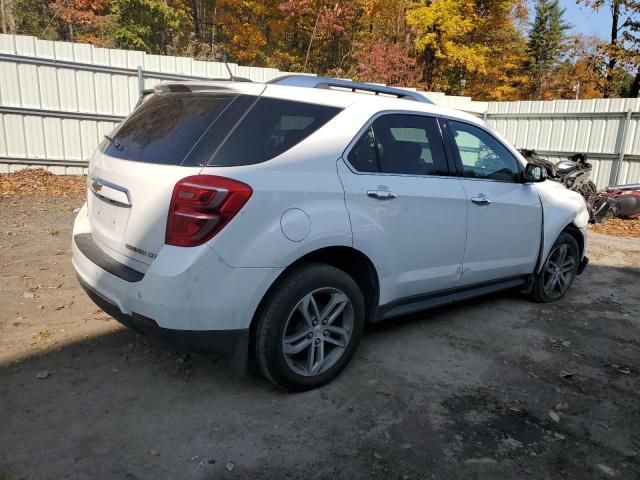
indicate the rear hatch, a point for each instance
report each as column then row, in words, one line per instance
column 170, row 136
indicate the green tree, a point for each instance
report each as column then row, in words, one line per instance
column 547, row 44
column 147, row 25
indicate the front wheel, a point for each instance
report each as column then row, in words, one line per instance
column 309, row 327
column 558, row 272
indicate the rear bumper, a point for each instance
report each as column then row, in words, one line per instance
column 184, row 289
column 231, row 344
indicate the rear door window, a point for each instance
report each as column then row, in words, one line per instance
column 167, row 126
column 402, row 144
column 269, row 129
column 363, row 156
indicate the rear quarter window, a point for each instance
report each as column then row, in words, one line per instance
column 269, row 129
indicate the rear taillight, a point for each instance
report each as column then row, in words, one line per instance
column 201, row 206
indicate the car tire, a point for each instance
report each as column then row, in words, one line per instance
column 558, row 272
column 588, row 189
column 315, row 311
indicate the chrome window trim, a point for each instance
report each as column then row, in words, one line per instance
column 436, row 116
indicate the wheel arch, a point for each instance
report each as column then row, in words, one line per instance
column 575, row 232
column 572, row 229
column 348, row 259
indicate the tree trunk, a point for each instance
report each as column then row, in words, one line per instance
column 313, row 34
column 611, row 65
column 4, row 17
column 429, row 68
column 635, row 86
column 8, row 20
column 196, row 19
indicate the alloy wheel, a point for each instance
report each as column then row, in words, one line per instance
column 318, row 331
column 559, row 271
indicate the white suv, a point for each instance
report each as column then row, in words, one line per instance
column 275, row 219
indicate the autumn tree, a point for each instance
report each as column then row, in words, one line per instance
column 580, row 75
column 83, row 20
column 622, row 52
column 471, row 46
column 441, row 31
column 501, row 25
column 482, row 48
column 245, row 28
column 383, row 50
column 320, row 34
column 385, row 62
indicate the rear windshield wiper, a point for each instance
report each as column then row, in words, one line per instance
column 114, row 142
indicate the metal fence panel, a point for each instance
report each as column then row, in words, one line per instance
column 58, row 99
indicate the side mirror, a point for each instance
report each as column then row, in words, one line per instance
column 534, row 173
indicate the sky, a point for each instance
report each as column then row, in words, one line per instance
column 585, row 20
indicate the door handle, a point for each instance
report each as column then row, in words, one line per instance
column 381, row 194
column 481, row 201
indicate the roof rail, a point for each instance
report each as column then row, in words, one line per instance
column 325, row 82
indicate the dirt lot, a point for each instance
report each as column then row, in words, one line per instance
column 492, row 388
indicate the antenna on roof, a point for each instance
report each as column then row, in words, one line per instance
column 232, row 77
column 226, row 64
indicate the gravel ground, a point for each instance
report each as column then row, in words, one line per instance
column 491, row 388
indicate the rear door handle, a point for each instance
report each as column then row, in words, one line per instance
column 381, row 194
column 481, row 201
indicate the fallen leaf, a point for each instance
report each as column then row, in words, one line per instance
column 619, row 227
column 607, row 470
column 153, row 452
column 554, row 416
column 43, row 374
column 37, row 181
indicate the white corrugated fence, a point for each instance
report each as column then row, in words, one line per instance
column 57, row 100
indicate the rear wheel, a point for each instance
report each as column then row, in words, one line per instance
column 588, row 189
column 558, row 272
column 309, row 327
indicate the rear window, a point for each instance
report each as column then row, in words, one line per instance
column 271, row 128
column 167, row 126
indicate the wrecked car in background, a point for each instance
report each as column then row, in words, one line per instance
column 622, row 201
